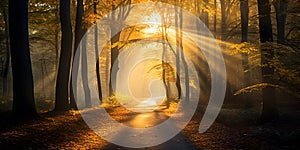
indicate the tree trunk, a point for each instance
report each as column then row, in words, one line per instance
column 224, row 20
column 114, row 54
column 185, row 66
column 84, row 74
column 97, row 56
column 23, row 89
column 265, row 25
column 164, row 64
column 7, row 56
column 280, row 9
column 269, row 111
column 244, row 9
column 177, row 53
column 62, row 82
column 79, row 32
column 122, row 14
column 114, row 63
column 215, row 17
column 204, row 14
column 57, row 30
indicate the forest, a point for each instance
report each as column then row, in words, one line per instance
column 149, row 74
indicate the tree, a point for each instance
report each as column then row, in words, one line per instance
column 177, row 52
column 117, row 19
column 5, row 66
column 97, row 54
column 204, row 13
column 114, row 51
column 79, row 32
column 185, row 65
column 215, row 17
column 84, row 73
column 23, row 104
column 269, row 111
column 62, row 101
column 281, row 10
column 244, row 10
column 223, row 20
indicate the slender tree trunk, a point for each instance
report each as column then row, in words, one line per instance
column 79, row 33
column 107, row 73
column 244, row 9
column 204, row 14
column 280, row 9
column 185, row 66
column 164, row 76
column 228, row 94
column 164, row 65
column 84, row 74
column 97, row 56
column 224, row 20
column 114, row 55
column 269, row 111
column 43, row 79
column 23, row 104
column 215, row 17
column 7, row 55
column 62, row 82
column 57, row 30
column 177, row 53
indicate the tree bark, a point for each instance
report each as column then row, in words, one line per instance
column 97, row 56
column 7, row 55
column 185, row 66
column 223, row 19
column 280, row 9
column 62, row 82
column 215, row 17
column 204, row 14
column 177, row 53
column 84, row 74
column 23, row 89
column 79, row 32
column 244, row 10
column 114, row 54
column 269, row 111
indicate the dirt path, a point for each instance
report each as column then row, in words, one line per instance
column 149, row 119
column 69, row 131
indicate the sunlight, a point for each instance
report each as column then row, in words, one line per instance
column 152, row 29
column 154, row 19
column 135, row 67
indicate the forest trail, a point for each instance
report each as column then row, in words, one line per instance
column 149, row 119
column 69, row 131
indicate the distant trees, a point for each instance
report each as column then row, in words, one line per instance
column 23, row 104
column 223, row 20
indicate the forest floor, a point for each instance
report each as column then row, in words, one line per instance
column 69, row 131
